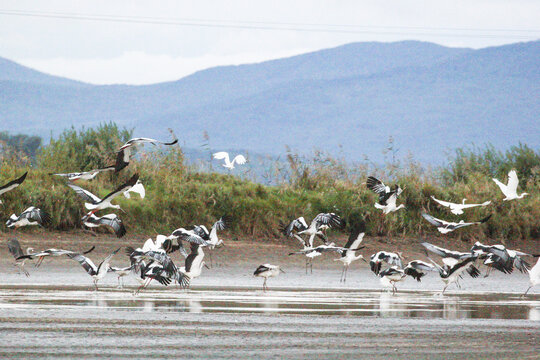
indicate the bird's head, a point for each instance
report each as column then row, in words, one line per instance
column 29, row 250
column 463, row 202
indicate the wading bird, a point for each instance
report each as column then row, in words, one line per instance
column 387, row 196
column 417, row 269
column 445, row 227
column 123, row 156
column 110, row 220
column 138, row 188
column 390, row 258
column 211, row 236
column 510, row 190
column 94, row 203
column 14, row 248
column 194, row 263
column 121, row 272
column 451, row 274
column 12, row 185
column 29, row 217
column 85, row 175
column 450, row 257
column 317, row 227
column 391, row 276
column 96, row 272
column 495, row 256
column 311, row 252
column 50, row 252
column 223, row 155
column 457, row 209
column 349, row 255
column 534, row 276
column 266, row 271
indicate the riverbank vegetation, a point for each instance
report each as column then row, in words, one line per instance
column 179, row 196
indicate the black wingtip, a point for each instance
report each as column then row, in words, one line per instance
column 175, row 141
column 89, row 250
column 129, row 250
column 485, row 219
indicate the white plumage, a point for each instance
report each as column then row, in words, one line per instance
column 510, row 189
column 223, row 155
column 457, row 209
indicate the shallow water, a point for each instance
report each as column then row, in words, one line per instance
column 44, row 321
column 410, row 304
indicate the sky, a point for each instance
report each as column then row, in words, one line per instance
column 143, row 42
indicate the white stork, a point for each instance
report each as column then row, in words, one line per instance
column 390, row 258
column 110, row 220
column 123, row 156
column 445, row 227
column 29, row 217
column 510, row 189
column 15, row 250
column 534, row 276
column 223, row 155
column 266, row 271
column 349, row 255
column 12, row 184
column 194, row 263
column 96, row 272
column 457, row 209
column 451, row 274
column 50, row 252
column 84, row 175
column 94, row 203
column 387, row 197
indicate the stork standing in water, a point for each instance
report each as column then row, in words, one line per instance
column 391, row 276
column 85, row 175
column 12, row 185
column 457, row 209
column 311, row 252
column 387, row 197
column 194, row 263
column 211, row 236
column 96, row 272
column 223, row 155
column 14, row 248
column 349, row 255
column 121, row 272
column 510, row 190
column 266, row 271
column 50, row 252
column 94, row 203
column 123, row 156
column 534, row 275
column 29, row 217
column 445, row 227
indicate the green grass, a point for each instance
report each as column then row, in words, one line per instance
column 179, row 197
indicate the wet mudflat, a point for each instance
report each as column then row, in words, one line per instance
column 222, row 322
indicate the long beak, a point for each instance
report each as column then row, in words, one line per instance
column 123, row 210
column 282, row 271
column 364, row 260
column 206, row 266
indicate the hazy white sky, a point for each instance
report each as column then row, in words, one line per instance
column 151, row 41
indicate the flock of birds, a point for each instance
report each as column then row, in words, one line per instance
column 152, row 261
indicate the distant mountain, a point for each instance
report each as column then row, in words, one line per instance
column 11, row 71
column 348, row 99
